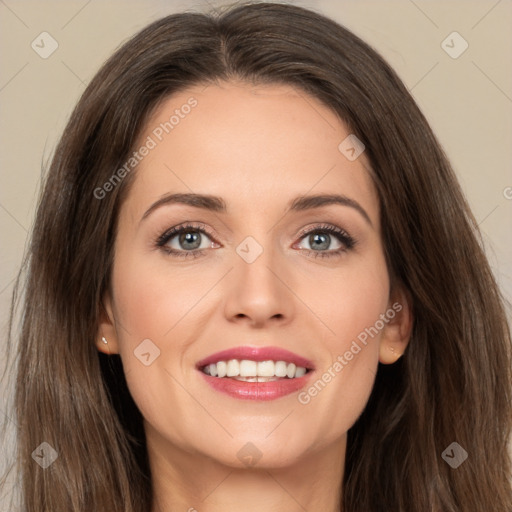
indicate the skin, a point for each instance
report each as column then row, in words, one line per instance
column 257, row 147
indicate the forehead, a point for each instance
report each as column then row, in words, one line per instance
column 256, row 146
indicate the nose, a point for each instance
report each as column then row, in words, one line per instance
column 259, row 293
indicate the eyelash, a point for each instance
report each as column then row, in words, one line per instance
column 348, row 241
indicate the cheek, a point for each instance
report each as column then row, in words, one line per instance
column 350, row 301
column 154, row 312
column 152, row 309
column 350, row 306
column 150, row 300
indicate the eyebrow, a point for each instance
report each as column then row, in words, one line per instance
column 218, row 205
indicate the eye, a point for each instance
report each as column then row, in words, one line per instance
column 320, row 240
column 191, row 241
column 188, row 240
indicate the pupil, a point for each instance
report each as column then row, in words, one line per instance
column 187, row 238
column 324, row 244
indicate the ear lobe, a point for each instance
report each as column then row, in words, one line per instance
column 106, row 337
column 397, row 332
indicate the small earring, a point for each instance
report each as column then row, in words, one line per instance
column 104, row 340
column 390, row 348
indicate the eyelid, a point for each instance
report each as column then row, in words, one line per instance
column 190, row 225
column 322, row 227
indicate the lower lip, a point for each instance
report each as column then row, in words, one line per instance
column 257, row 390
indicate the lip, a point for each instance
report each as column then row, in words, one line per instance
column 257, row 390
column 261, row 391
column 257, row 354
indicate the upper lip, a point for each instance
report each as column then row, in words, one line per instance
column 256, row 354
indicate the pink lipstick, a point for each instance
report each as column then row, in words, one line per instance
column 256, row 373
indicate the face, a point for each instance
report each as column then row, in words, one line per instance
column 263, row 271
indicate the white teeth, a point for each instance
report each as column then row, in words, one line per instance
column 266, row 368
column 254, row 371
column 281, row 369
column 233, row 368
column 221, row 368
column 248, row 368
column 300, row 371
column 247, row 379
column 257, row 379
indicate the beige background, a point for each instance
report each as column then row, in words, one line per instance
column 467, row 100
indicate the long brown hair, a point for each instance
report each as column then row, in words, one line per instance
column 453, row 384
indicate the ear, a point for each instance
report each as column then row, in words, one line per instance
column 397, row 331
column 106, row 338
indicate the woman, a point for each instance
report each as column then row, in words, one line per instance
column 332, row 339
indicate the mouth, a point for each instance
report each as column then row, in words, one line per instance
column 248, row 370
column 256, row 373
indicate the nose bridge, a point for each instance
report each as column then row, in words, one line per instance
column 257, row 290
